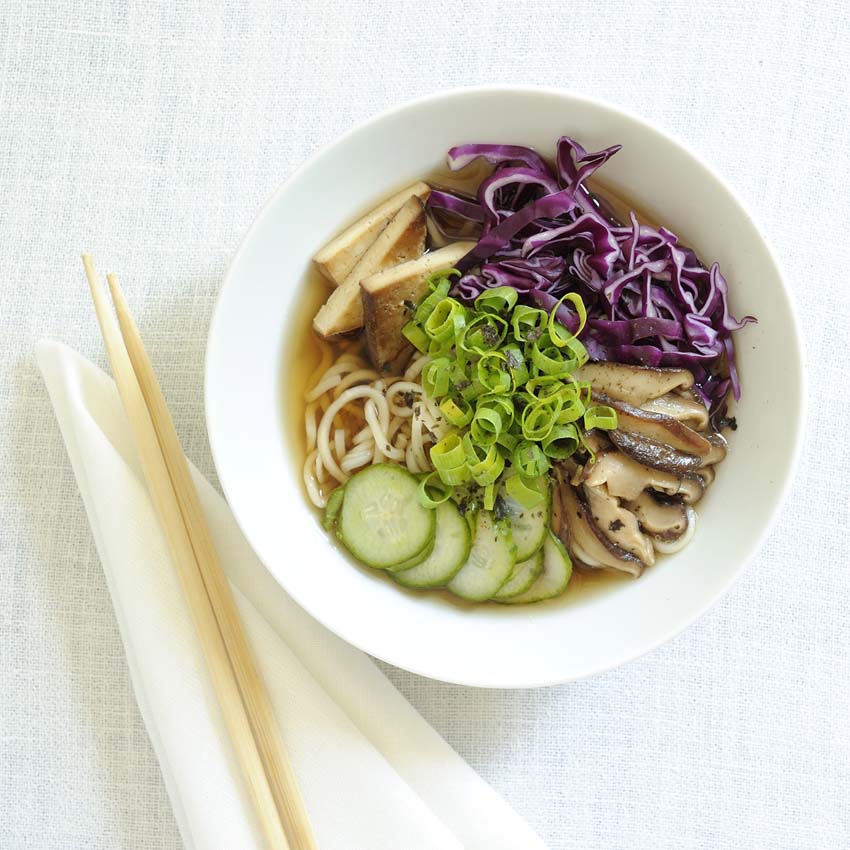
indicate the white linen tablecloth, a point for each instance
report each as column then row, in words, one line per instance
column 150, row 132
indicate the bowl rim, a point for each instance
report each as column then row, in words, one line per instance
column 790, row 470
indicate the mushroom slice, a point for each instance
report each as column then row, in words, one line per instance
column 654, row 454
column 633, row 384
column 708, row 474
column 616, row 523
column 665, row 520
column 627, row 479
column 656, row 427
column 717, row 451
column 688, row 410
column 577, row 528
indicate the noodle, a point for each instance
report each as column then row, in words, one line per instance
column 354, row 378
column 414, row 369
column 310, row 425
column 356, row 416
column 339, row 442
column 404, row 387
column 310, row 482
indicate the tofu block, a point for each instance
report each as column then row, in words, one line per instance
column 401, row 240
column 388, row 295
column 338, row 257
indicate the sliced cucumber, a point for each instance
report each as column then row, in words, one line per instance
column 414, row 560
column 332, row 509
column 490, row 561
column 528, row 525
column 557, row 569
column 451, row 549
column 524, row 575
column 381, row 522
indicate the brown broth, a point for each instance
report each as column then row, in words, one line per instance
column 303, row 353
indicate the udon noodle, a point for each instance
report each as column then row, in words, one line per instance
column 356, row 416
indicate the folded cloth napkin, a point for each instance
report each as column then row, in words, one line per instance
column 374, row 774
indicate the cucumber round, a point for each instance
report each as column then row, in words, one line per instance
column 553, row 581
column 451, row 549
column 413, row 561
column 524, row 575
column 332, row 508
column 490, row 561
column 528, row 525
column 382, row 522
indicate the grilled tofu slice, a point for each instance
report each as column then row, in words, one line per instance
column 339, row 256
column 401, row 240
column 388, row 295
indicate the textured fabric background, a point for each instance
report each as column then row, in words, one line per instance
column 151, row 131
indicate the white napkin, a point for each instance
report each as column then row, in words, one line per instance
column 374, row 774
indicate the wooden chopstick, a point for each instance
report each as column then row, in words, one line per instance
column 284, row 787
column 247, row 712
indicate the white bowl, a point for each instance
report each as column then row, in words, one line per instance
column 493, row 645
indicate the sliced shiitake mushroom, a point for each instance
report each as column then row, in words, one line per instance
column 584, row 540
column 708, row 474
column 717, row 452
column 617, row 524
column 627, row 479
column 688, row 410
column 657, row 427
column 633, row 384
column 666, row 520
column 658, row 455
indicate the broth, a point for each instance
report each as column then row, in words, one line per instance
column 303, row 353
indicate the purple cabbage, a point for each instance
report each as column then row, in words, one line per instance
column 650, row 300
column 456, row 205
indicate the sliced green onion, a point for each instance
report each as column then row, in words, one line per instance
column 538, row 420
column 457, row 412
column 486, row 425
column 440, row 324
column 529, row 459
column 507, row 443
column 504, row 405
column 516, row 364
column 433, row 491
column 524, row 490
column 549, row 360
column 448, row 454
column 503, row 374
column 571, row 411
column 436, row 377
column 500, row 299
column 442, row 277
column 472, row 389
column 600, row 416
column 560, row 442
column 485, row 463
column 440, row 291
column 525, row 320
column 486, row 332
column 492, row 372
column 416, row 336
column 560, row 334
column 577, row 354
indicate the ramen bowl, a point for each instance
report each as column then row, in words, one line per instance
column 251, row 367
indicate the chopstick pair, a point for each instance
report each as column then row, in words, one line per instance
column 241, row 693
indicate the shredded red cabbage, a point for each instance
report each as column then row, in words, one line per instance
column 650, row 300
